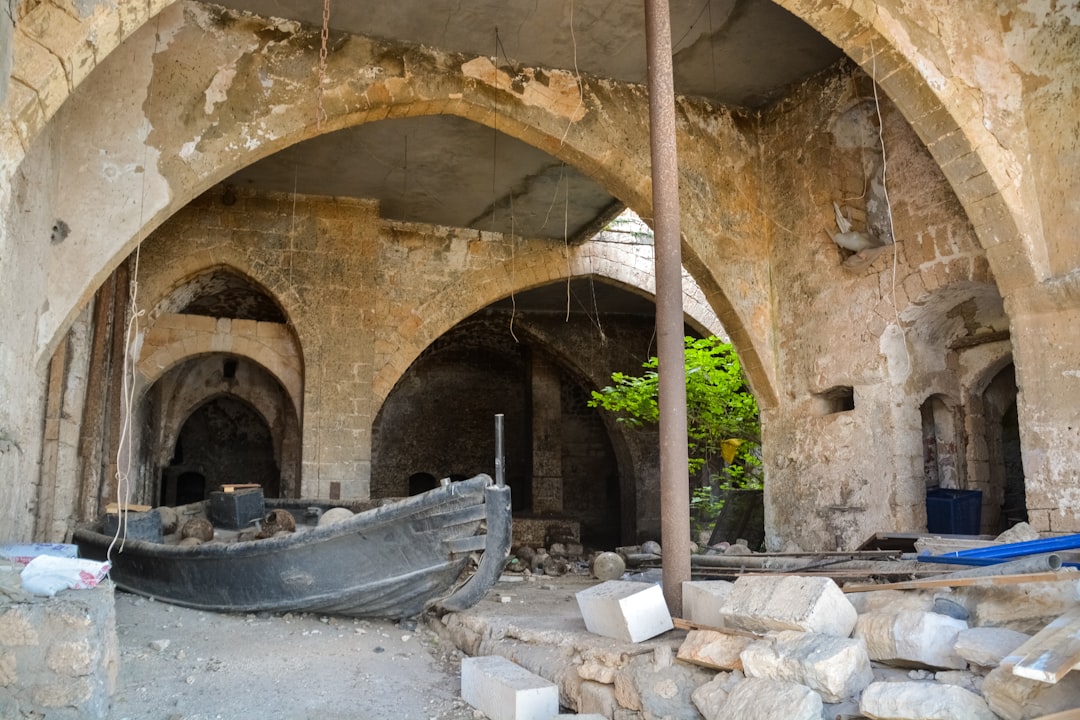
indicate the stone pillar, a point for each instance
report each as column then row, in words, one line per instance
column 1046, row 344
column 330, row 264
column 547, row 490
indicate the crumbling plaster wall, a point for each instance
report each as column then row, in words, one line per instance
column 991, row 93
column 880, row 323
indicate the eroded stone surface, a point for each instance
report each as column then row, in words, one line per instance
column 764, row 699
column 922, row 701
column 714, row 649
column 762, row 603
column 836, row 668
column 913, row 638
column 987, row 646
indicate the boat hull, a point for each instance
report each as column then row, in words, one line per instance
column 393, row 561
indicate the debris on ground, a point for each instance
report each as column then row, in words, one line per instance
column 860, row 634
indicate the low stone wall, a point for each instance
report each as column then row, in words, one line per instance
column 58, row 656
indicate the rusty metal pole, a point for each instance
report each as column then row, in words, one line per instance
column 674, row 475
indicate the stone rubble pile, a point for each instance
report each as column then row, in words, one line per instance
column 778, row 646
column 880, row 654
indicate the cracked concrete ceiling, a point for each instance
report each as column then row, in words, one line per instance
column 448, row 171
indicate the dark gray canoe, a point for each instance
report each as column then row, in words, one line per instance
column 393, row 561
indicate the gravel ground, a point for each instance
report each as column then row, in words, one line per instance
column 182, row 664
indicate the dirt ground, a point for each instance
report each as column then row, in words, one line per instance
column 182, row 664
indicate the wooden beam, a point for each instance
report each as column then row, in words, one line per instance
column 1054, row 576
column 1051, row 652
column 687, row 625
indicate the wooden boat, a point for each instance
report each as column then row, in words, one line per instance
column 392, row 561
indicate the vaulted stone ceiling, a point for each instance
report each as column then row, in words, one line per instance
column 448, row 171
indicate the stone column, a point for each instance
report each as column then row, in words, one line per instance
column 1046, row 343
column 547, row 490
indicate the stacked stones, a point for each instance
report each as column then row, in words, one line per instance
column 58, row 656
column 798, row 648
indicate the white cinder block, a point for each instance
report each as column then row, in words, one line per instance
column 625, row 610
column 703, row 601
column 503, row 690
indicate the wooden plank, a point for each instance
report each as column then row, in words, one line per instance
column 687, row 625
column 114, row 508
column 1049, row 576
column 1051, row 652
column 239, row 486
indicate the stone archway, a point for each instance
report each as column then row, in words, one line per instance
column 224, row 441
column 562, row 463
column 222, row 417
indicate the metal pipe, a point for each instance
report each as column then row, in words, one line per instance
column 667, row 237
column 1033, row 564
column 1019, row 549
column 500, row 472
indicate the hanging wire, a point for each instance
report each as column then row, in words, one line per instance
column 405, row 180
column 320, row 112
column 577, row 78
column 132, row 346
column 494, row 187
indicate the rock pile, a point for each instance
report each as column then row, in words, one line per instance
column 882, row 654
column 783, row 646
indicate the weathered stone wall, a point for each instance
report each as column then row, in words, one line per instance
column 989, row 92
column 880, row 324
column 58, row 656
column 326, row 263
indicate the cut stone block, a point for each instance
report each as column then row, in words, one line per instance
column 835, row 668
column 713, row 649
column 761, row 603
column 1025, row 608
column 987, row 646
column 1017, row 698
column 503, row 690
column 963, row 678
column 912, row 639
column 703, row 601
column 764, row 699
column 623, row 610
column 922, row 701
column 710, row 697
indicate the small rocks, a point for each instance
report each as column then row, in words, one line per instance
column 159, row 645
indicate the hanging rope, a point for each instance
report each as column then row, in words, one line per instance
column 320, row 113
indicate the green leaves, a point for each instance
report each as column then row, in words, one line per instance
column 719, row 407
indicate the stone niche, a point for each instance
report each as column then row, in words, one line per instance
column 58, row 655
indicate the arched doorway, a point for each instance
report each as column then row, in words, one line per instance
column 438, row 422
column 1006, row 466
column 224, row 441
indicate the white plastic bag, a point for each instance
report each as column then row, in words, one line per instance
column 47, row 575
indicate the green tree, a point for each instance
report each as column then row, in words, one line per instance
column 723, row 426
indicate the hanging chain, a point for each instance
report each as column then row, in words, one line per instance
column 320, row 113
